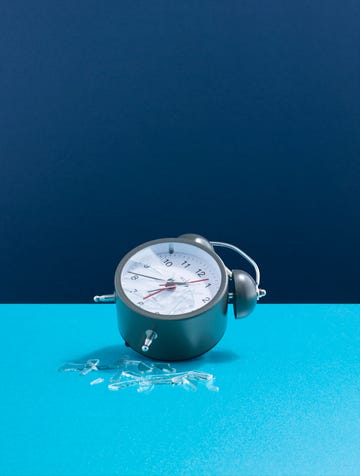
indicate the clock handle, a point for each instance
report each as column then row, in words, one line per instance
column 260, row 292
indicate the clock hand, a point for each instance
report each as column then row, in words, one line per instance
column 145, row 276
column 157, row 291
column 186, row 282
column 183, row 283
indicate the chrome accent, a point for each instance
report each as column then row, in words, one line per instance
column 105, row 298
column 150, row 337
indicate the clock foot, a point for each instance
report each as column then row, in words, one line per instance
column 150, row 337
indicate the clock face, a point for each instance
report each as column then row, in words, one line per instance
column 171, row 278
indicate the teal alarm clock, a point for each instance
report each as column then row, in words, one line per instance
column 172, row 296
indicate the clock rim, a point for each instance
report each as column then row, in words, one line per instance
column 219, row 296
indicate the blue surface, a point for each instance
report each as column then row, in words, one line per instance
column 289, row 399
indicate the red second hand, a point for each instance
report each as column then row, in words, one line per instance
column 198, row 280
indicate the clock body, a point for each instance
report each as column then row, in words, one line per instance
column 175, row 291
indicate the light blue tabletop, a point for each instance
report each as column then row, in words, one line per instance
column 288, row 404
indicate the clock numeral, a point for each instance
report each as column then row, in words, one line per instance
column 146, row 266
column 185, row 264
column 200, row 273
column 134, row 277
column 207, row 299
column 167, row 262
column 133, row 291
column 140, row 303
column 209, row 284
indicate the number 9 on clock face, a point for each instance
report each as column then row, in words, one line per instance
column 170, row 278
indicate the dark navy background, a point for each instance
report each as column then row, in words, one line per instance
column 126, row 121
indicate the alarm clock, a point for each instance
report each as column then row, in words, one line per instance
column 172, row 295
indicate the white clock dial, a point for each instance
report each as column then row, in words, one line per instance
column 171, row 278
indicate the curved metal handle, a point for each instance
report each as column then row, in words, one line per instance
column 261, row 292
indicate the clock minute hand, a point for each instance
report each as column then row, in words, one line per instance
column 146, row 276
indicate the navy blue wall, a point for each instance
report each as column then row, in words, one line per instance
column 125, row 121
